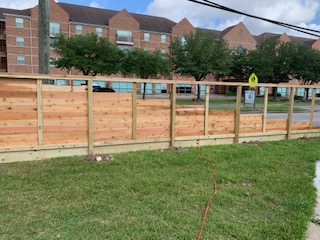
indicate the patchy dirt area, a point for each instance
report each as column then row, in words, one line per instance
column 253, row 142
column 305, row 139
column 174, row 149
column 98, row 158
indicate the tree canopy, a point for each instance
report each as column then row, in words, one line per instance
column 144, row 64
column 199, row 54
column 196, row 55
column 87, row 53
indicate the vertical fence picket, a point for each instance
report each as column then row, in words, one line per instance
column 206, row 109
column 173, row 114
column 237, row 114
column 90, row 117
column 40, row 111
column 134, row 111
column 290, row 113
column 313, row 101
column 265, row 110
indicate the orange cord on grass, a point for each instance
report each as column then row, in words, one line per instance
column 213, row 174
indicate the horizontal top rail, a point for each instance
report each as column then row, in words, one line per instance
column 136, row 80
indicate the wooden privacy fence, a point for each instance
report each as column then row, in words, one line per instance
column 42, row 121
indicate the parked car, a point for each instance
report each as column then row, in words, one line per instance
column 97, row 88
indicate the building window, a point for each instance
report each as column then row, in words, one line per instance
column 20, row 60
column 51, row 61
column 3, row 63
column 238, row 49
column 2, row 45
column 183, row 40
column 125, row 87
column 78, row 29
column 163, row 39
column 2, row 27
column 20, row 41
column 19, row 22
column 124, row 36
column 54, row 29
column 51, row 42
column 99, row 31
column 146, row 37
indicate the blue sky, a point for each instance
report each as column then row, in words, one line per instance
column 139, row 6
column 304, row 13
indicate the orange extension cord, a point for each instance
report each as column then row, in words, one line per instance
column 213, row 167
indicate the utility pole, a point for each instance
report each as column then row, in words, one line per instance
column 44, row 36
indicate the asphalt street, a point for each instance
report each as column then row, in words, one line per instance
column 297, row 117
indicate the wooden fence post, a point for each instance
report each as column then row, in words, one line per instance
column 290, row 113
column 40, row 111
column 206, row 111
column 312, row 108
column 265, row 110
column 134, row 111
column 237, row 115
column 90, row 117
column 173, row 114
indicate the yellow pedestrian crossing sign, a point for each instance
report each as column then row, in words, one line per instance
column 253, row 79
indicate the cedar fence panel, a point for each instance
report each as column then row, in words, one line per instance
column 40, row 120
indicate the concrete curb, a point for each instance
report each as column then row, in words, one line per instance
column 313, row 232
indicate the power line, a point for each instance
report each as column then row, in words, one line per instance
column 282, row 24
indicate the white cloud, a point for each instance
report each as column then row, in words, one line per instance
column 295, row 12
column 95, row 4
column 18, row 4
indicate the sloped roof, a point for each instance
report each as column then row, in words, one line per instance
column 224, row 32
column 25, row 12
column 266, row 35
column 302, row 41
column 210, row 31
column 296, row 40
column 155, row 24
column 90, row 15
column 98, row 16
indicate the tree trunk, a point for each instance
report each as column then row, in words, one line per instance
column 274, row 93
column 307, row 93
column 144, row 90
column 198, row 93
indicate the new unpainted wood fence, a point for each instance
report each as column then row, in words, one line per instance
column 40, row 121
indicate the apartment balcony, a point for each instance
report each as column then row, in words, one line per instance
column 3, row 47
column 2, row 30
column 3, row 64
column 124, row 40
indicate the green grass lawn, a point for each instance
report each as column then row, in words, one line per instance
column 229, row 104
column 264, row 192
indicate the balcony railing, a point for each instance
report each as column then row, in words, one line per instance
column 124, row 40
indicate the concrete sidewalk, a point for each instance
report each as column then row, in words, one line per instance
column 313, row 228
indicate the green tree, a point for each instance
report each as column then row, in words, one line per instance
column 240, row 68
column 306, row 66
column 272, row 62
column 144, row 64
column 87, row 53
column 199, row 54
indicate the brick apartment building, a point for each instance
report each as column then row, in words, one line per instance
column 19, row 34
